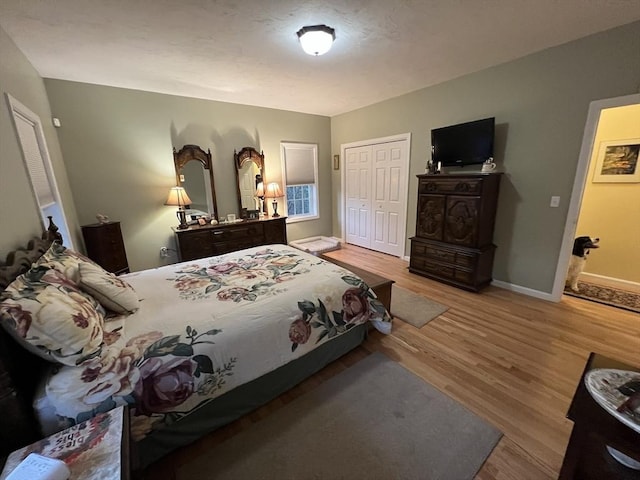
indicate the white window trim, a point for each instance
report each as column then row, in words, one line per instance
column 283, row 150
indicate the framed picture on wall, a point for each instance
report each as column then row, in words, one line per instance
column 618, row 162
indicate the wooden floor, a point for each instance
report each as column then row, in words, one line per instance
column 512, row 359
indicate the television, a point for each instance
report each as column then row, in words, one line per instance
column 463, row 144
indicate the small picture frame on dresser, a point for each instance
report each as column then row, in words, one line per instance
column 253, row 214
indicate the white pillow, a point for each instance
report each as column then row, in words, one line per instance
column 112, row 292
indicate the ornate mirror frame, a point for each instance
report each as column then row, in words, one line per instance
column 245, row 155
column 193, row 152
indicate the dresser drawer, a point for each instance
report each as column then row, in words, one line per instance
column 442, row 270
column 428, row 265
column 209, row 240
column 194, row 245
column 450, row 185
column 242, row 233
column 443, row 254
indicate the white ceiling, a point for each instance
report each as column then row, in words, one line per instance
column 246, row 51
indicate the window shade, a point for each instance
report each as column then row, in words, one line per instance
column 299, row 164
column 34, row 161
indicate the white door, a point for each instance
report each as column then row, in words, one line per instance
column 389, row 197
column 376, row 195
column 358, row 196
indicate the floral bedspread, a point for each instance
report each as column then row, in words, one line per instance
column 207, row 326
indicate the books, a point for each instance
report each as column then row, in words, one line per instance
column 91, row 449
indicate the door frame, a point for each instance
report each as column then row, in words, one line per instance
column 593, row 118
column 406, row 137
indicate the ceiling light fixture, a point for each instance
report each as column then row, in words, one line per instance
column 317, row 39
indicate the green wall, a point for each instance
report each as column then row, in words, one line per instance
column 540, row 103
column 117, row 145
column 19, row 214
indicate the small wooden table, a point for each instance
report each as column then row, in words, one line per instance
column 594, row 428
column 87, row 448
column 381, row 286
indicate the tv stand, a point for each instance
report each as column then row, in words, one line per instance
column 454, row 228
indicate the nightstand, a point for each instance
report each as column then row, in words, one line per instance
column 98, row 448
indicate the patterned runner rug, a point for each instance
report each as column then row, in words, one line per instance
column 607, row 295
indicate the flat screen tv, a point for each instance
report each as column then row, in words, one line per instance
column 463, row 144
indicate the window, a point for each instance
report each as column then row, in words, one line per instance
column 300, row 167
column 38, row 164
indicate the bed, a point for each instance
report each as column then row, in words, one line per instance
column 189, row 347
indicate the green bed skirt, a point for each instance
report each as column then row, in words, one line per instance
column 243, row 399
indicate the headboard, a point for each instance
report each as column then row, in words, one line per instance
column 20, row 370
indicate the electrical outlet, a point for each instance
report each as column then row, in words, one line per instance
column 555, row 202
column 164, row 252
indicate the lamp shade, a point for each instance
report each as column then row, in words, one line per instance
column 260, row 190
column 317, row 39
column 178, row 197
column 274, row 191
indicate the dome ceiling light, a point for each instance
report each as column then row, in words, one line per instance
column 317, row 39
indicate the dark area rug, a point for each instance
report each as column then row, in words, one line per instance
column 375, row 421
column 607, row 295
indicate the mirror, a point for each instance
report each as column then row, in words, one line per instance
column 194, row 172
column 249, row 173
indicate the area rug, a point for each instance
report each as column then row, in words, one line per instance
column 607, row 295
column 375, row 421
column 412, row 308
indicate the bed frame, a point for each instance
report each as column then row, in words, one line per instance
column 20, row 370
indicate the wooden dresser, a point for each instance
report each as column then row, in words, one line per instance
column 105, row 246
column 454, row 229
column 208, row 240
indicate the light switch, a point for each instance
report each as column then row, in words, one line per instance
column 555, row 201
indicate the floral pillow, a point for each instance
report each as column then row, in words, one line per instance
column 47, row 314
column 65, row 261
column 112, row 292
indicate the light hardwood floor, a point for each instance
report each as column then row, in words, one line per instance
column 512, row 359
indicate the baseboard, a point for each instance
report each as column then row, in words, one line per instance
column 610, row 282
column 524, row 290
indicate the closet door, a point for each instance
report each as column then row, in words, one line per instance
column 358, row 196
column 389, row 197
column 376, row 196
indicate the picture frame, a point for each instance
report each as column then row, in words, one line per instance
column 336, row 162
column 618, row 162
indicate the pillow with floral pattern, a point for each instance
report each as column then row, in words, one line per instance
column 47, row 314
column 65, row 261
column 111, row 291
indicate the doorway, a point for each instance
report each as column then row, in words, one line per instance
column 374, row 193
column 38, row 164
column 589, row 143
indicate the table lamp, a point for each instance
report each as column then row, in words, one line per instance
column 178, row 198
column 274, row 191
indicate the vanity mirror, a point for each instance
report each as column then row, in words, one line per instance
column 249, row 176
column 194, row 172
